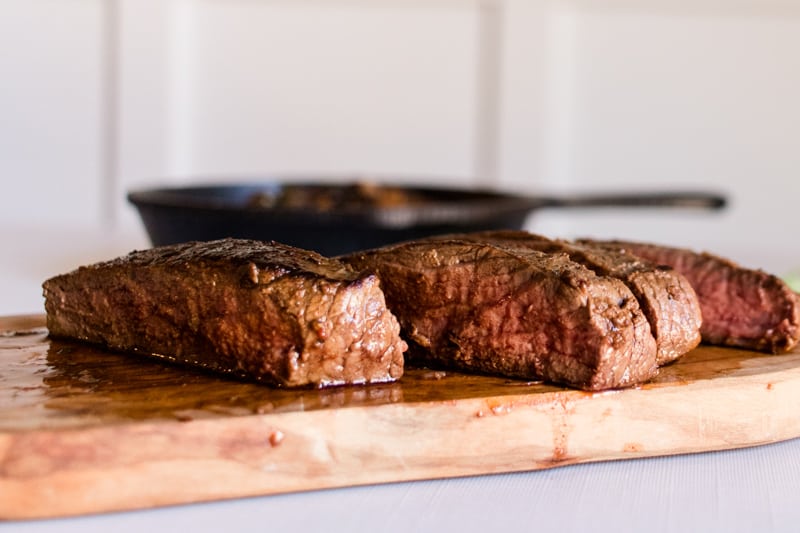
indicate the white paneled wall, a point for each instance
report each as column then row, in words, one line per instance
column 650, row 95
column 51, row 105
column 329, row 88
column 248, row 88
column 690, row 98
column 101, row 96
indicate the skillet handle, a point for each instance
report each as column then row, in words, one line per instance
column 694, row 200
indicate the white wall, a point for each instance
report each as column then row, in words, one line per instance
column 675, row 95
column 50, row 111
column 532, row 96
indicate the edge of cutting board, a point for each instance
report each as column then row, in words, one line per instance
column 72, row 471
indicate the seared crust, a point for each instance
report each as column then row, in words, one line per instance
column 263, row 311
column 515, row 312
column 666, row 297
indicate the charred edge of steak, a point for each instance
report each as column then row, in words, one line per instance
column 519, row 313
column 741, row 307
column 265, row 311
column 666, row 297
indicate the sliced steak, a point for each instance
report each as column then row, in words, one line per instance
column 263, row 311
column 665, row 296
column 741, row 306
column 514, row 312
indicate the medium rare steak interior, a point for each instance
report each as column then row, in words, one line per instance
column 514, row 311
column 666, row 297
column 263, row 311
column 741, row 307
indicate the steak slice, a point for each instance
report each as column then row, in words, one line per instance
column 515, row 312
column 741, row 306
column 263, row 311
column 666, row 297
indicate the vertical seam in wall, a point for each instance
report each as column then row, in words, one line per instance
column 488, row 94
column 109, row 114
column 180, row 72
column 560, row 98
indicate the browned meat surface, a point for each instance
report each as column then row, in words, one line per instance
column 263, row 311
column 515, row 312
column 741, row 307
column 666, row 297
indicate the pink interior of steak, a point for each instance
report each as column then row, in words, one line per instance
column 740, row 306
column 745, row 307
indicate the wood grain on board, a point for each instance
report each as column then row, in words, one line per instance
column 84, row 430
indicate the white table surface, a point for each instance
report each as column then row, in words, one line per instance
column 755, row 489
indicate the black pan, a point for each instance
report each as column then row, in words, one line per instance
column 337, row 219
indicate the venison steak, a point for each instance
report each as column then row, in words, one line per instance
column 262, row 311
column 666, row 297
column 515, row 312
column 741, row 307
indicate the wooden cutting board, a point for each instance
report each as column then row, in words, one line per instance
column 85, row 431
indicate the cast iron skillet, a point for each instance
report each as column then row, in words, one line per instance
column 254, row 210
